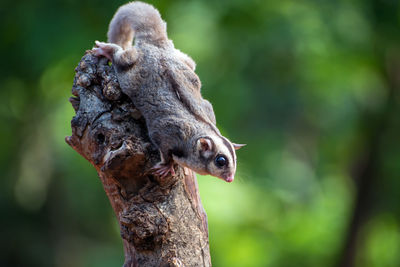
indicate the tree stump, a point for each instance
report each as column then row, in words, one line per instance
column 162, row 221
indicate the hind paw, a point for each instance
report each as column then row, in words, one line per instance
column 105, row 49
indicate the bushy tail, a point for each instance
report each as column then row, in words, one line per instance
column 139, row 20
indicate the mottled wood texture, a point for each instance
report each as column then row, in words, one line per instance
column 162, row 221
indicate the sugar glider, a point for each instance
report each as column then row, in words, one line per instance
column 161, row 82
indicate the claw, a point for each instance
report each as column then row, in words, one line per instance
column 103, row 49
column 162, row 169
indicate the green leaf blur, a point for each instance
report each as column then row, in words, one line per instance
column 312, row 88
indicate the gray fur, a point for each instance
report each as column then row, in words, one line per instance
column 175, row 112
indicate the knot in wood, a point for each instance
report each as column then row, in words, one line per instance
column 112, row 91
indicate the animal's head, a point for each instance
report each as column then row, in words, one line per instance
column 218, row 155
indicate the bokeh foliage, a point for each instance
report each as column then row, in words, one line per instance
column 311, row 86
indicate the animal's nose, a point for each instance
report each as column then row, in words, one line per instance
column 230, row 178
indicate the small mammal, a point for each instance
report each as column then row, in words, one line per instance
column 162, row 84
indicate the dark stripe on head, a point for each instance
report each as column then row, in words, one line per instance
column 229, row 145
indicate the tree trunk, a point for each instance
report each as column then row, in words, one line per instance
column 162, row 221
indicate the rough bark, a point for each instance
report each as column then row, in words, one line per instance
column 162, row 221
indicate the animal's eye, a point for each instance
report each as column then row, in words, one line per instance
column 221, row 161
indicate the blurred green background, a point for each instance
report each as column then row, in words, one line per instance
column 312, row 87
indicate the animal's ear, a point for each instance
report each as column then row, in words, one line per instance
column 238, row 146
column 205, row 144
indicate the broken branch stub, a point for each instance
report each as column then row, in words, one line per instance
column 162, row 221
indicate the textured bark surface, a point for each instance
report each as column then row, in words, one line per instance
column 162, row 221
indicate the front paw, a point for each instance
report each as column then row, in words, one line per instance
column 163, row 169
